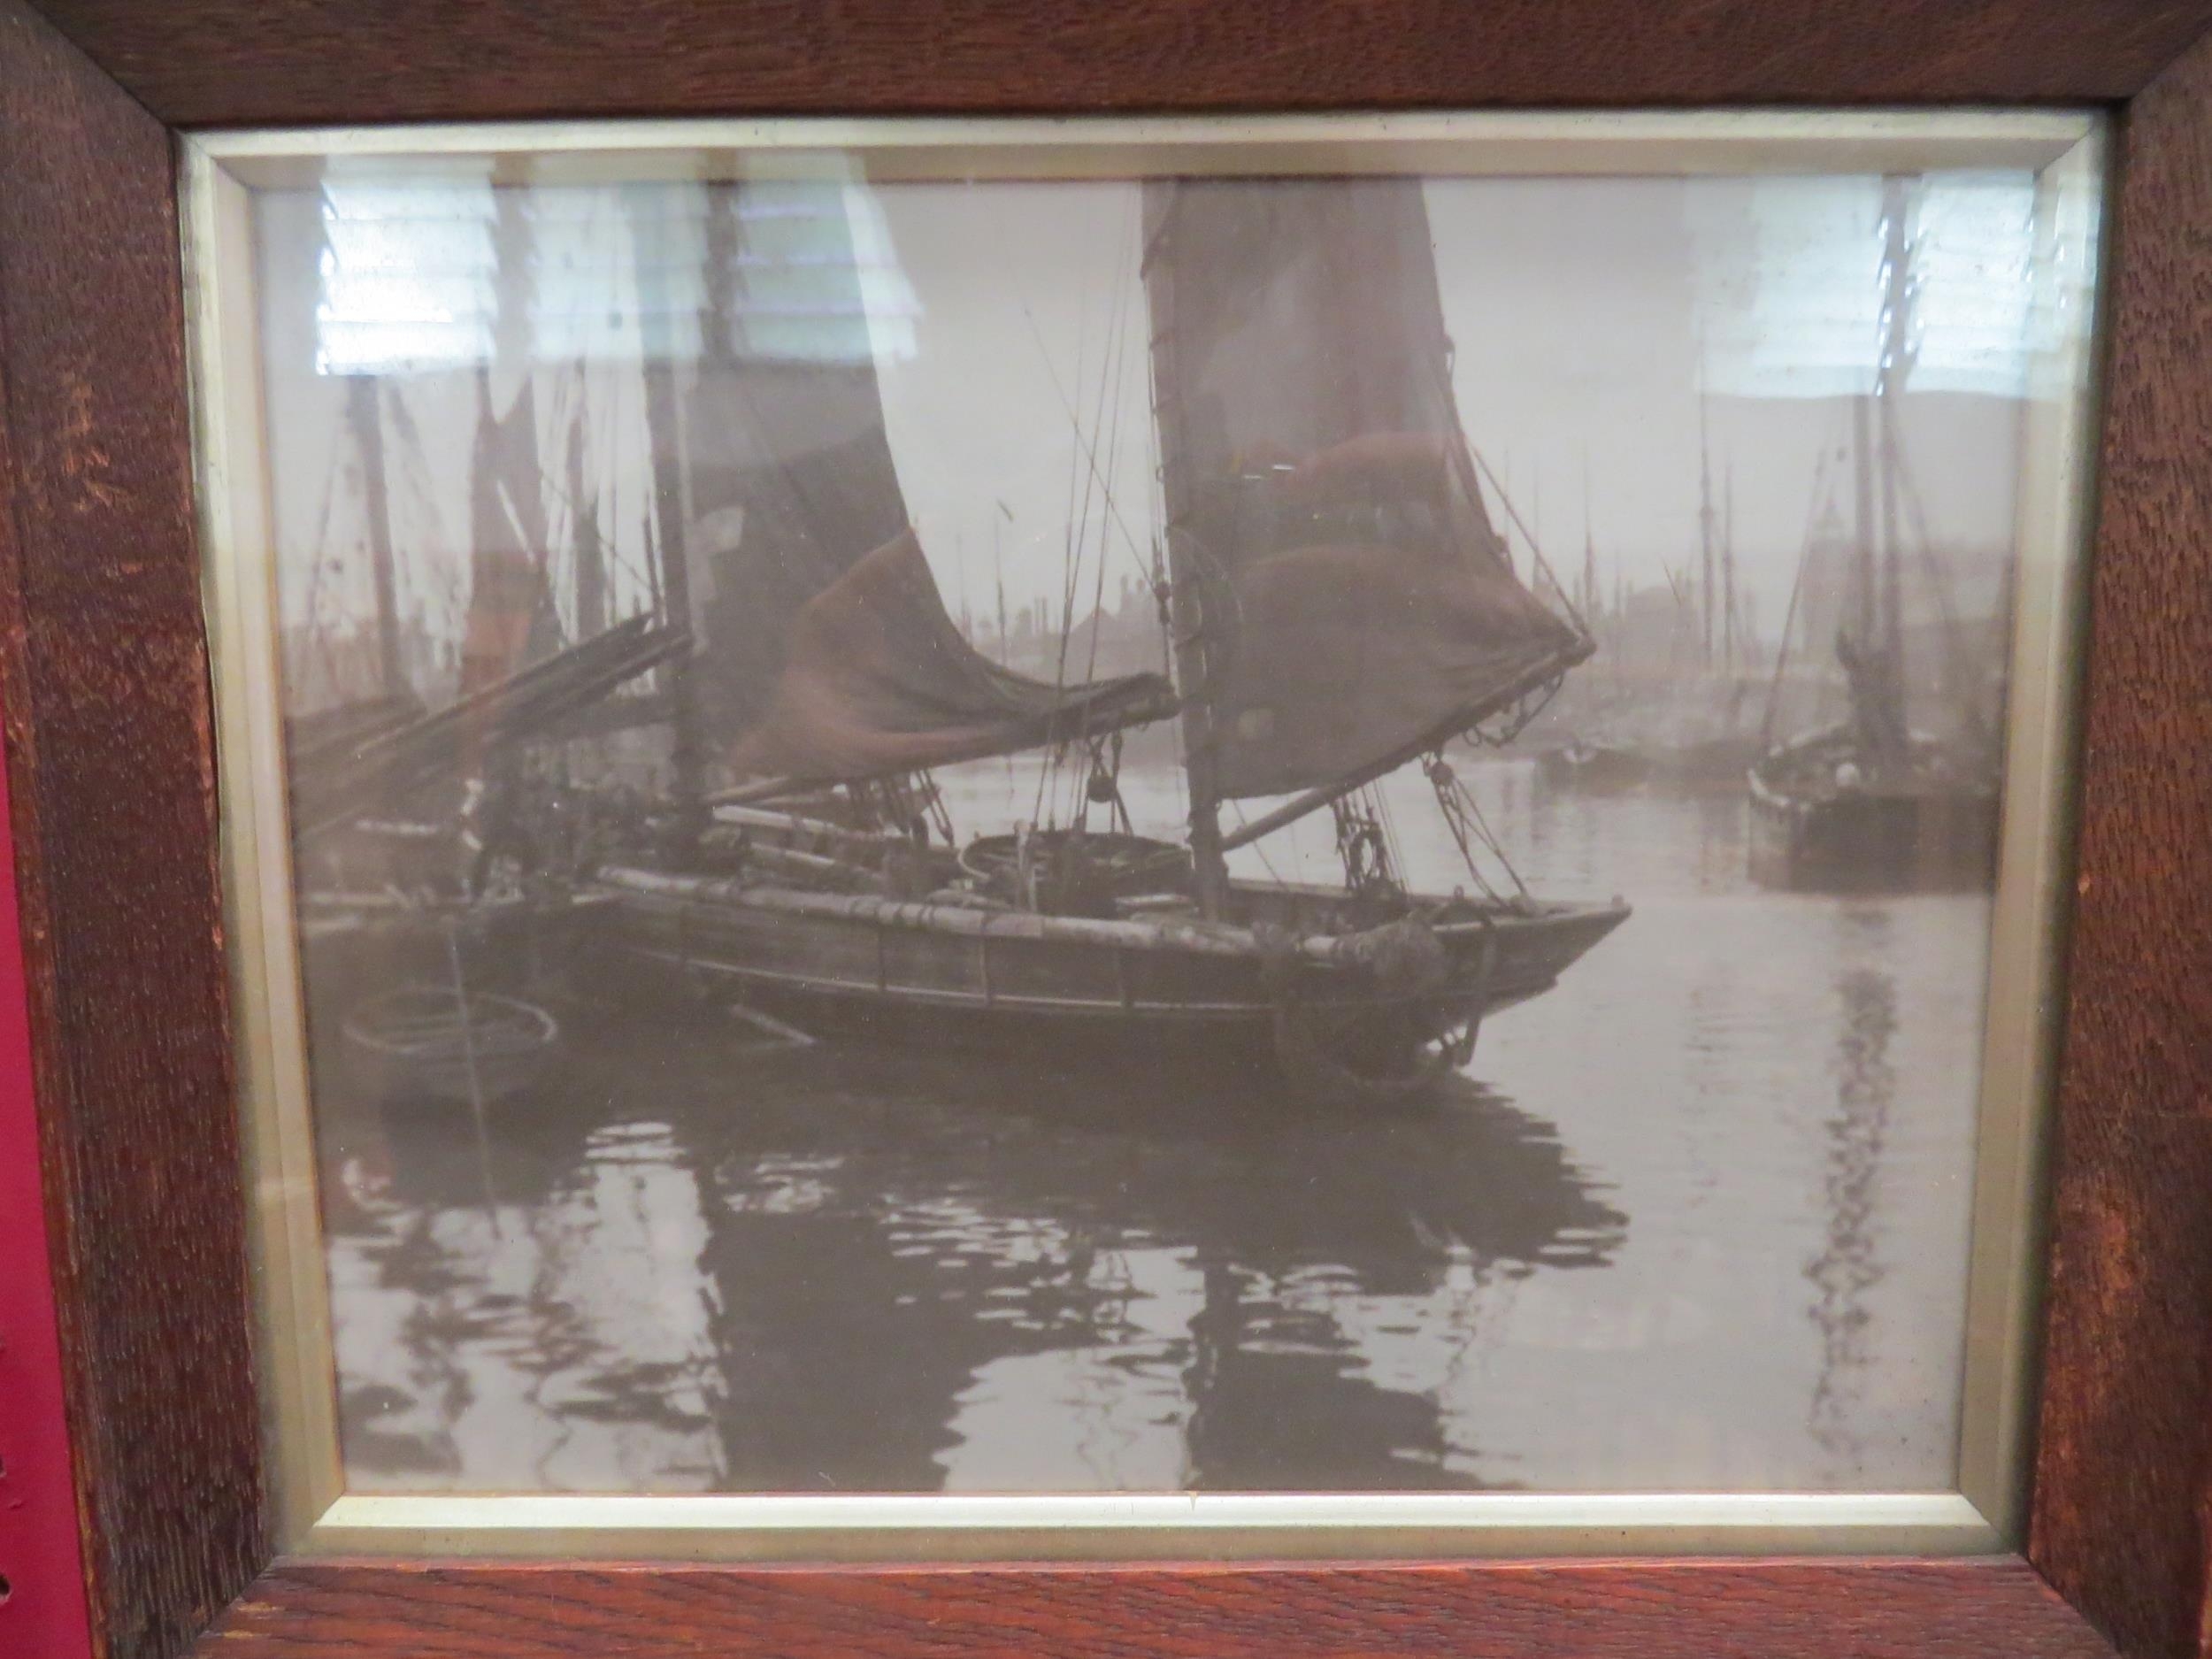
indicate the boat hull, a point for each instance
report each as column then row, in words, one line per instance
column 1149, row 989
column 418, row 1044
column 1873, row 841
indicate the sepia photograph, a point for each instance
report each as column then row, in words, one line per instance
column 1201, row 831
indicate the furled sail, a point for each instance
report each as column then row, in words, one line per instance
column 1358, row 606
column 877, row 679
column 826, row 652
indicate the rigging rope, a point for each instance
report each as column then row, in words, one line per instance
column 1259, row 847
column 1525, row 712
column 1797, row 587
column 933, row 803
column 1379, row 803
column 1463, row 817
column 1365, row 844
column 1539, row 563
column 1089, row 452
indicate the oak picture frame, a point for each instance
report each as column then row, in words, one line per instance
column 310, row 1507
column 103, row 687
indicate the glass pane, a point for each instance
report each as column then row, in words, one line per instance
column 1228, row 832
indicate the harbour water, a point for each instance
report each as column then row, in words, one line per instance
column 1695, row 1218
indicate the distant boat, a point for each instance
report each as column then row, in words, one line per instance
column 1598, row 768
column 1630, row 756
column 1342, row 606
column 1879, row 800
column 1690, row 727
column 1695, row 765
column 1914, row 823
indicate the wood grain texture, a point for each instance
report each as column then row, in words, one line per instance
column 102, row 675
column 2125, row 1475
column 104, row 678
column 1974, row 1609
column 262, row 62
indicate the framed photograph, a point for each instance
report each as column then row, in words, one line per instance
column 967, row 740
column 821, row 882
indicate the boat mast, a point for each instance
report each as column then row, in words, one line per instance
column 362, row 413
column 1185, row 584
column 663, row 433
column 591, row 559
column 998, row 575
column 1889, row 383
column 1534, row 531
column 1590, row 606
column 1728, row 567
column 1705, row 515
column 1863, row 515
column 1187, row 610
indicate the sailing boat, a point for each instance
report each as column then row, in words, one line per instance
column 416, row 831
column 1874, row 803
column 1341, row 609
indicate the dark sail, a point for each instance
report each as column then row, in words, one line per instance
column 789, row 471
column 1356, row 604
column 826, row 651
column 792, row 485
column 876, row 679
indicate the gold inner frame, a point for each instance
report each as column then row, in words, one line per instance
column 313, row 1513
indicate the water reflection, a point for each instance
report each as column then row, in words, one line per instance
column 1848, row 1266
column 1697, row 1218
column 798, row 1264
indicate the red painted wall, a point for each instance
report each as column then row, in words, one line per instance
column 43, row 1614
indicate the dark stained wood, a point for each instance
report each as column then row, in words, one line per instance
column 2123, row 1492
column 1975, row 1610
column 102, row 676
column 103, row 680
column 244, row 62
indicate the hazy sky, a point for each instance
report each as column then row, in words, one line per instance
column 1576, row 308
column 1586, row 314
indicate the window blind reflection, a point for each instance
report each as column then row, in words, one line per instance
column 422, row 276
column 1791, row 284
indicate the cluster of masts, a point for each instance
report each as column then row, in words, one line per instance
column 1715, row 609
column 1722, row 639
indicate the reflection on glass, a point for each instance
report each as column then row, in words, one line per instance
column 971, row 837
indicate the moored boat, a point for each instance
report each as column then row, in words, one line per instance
column 1876, row 800
column 1819, row 824
column 1288, row 976
column 435, row 1043
column 1341, row 609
